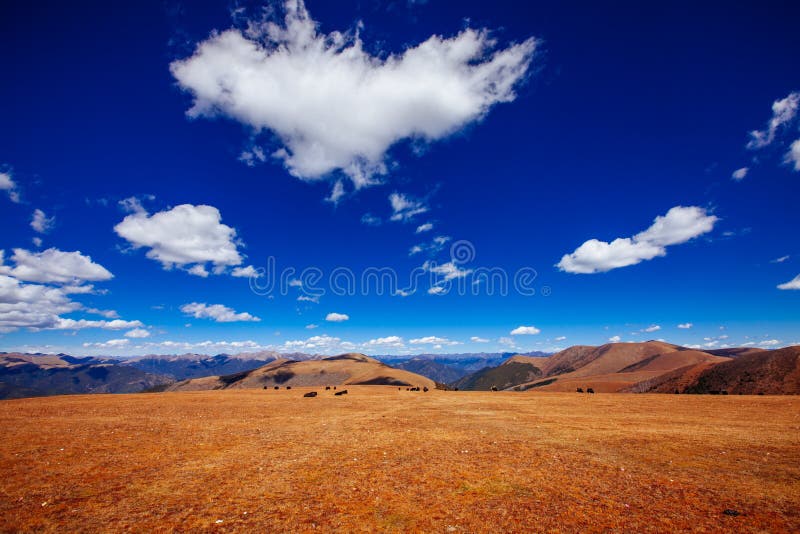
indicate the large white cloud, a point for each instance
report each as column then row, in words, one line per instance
column 217, row 312
column 54, row 266
column 679, row 225
column 185, row 236
column 336, row 107
column 794, row 283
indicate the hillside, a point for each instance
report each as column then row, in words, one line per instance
column 345, row 369
column 436, row 371
column 774, row 372
column 516, row 370
column 25, row 375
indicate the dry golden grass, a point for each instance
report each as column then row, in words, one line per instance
column 382, row 459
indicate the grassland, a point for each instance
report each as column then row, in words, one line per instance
column 383, row 459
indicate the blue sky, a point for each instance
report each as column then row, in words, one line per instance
column 637, row 166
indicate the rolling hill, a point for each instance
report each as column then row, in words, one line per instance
column 345, row 369
column 652, row 366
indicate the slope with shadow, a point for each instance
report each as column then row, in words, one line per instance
column 345, row 369
column 25, row 375
column 432, row 369
column 514, row 371
column 773, row 372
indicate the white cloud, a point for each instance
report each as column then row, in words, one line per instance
column 679, row 225
column 783, row 111
column 770, row 343
column 434, row 247
column 561, row 338
column 405, row 208
column 7, row 184
column 614, row 339
column 337, row 317
column 781, row 259
column 42, row 223
column 108, row 314
column 685, row 326
column 433, row 340
column 337, row 192
column 388, row 341
column 427, row 227
column 739, row 174
column 246, row 272
column 217, row 312
column 137, row 333
column 476, row 339
column 185, row 236
column 198, row 270
column 31, row 305
column 334, row 106
column 110, row 344
column 508, row 342
column 525, row 331
column 80, row 324
column 794, row 283
column 448, row 271
column 371, row 220
column 37, row 241
column 307, row 298
column 403, row 293
column 793, row 155
column 435, row 290
column 652, row 328
column 54, row 266
column 134, row 204
column 311, row 326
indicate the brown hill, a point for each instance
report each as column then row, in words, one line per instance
column 516, row 370
column 773, row 372
column 345, row 369
column 615, row 366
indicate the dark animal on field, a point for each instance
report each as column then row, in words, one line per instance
column 277, row 387
column 288, row 387
column 334, row 388
column 494, row 388
column 310, row 394
column 425, row 389
column 343, row 392
column 327, row 388
column 580, row 390
column 589, row 390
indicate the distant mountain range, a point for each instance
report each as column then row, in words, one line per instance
column 651, row 366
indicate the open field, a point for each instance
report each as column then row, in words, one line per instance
column 383, row 459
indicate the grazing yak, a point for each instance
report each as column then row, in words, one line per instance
column 343, row 392
column 310, row 394
column 327, row 388
column 494, row 388
column 589, row 390
column 579, row 390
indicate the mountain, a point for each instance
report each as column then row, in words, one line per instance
column 516, row 370
column 436, row 371
column 768, row 372
column 463, row 364
column 26, row 375
column 345, row 369
column 184, row 366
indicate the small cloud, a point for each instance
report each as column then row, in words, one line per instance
column 308, row 298
column 436, row 290
column 433, row 340
column 405, row 208
column 37, row 241
column 793, row 155
column 137, row 333
column 371, row 220
column 476, row 339
column 561, row 338
column 525, row 331
column 217, row 312
column 337, row 317
column 247, row 272
column 311, row 326
column 781, row 259
column 783, row 112
column 614, row 339
column 337, row 192
column 427, row 227
column 739, row 174
column 8, row 185
column 685, row 326
column 652, row 328
column 41, row 223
